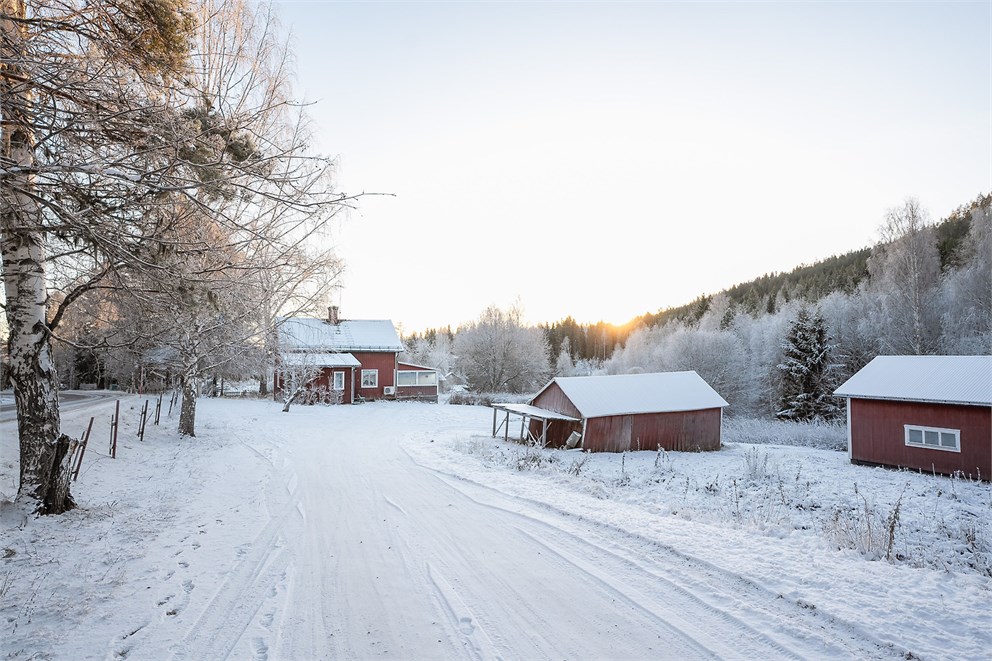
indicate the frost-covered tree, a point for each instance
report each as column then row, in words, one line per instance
column 498, row 353
column 75, row 102
column 297, row 371
column 115, row 113
column 966, row 292
column 564, row 366
column 905, row 270
column 807, row 370
column 432, row 350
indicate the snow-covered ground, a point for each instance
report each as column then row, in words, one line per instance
column 394, row 530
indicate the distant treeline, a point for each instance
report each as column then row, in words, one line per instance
column 765, row 294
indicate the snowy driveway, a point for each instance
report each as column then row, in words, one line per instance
column 322, row 534
column 367, row 554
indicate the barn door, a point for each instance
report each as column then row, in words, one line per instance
column 626, row 429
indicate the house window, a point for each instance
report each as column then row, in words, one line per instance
column 370, row 378
column 338, row 381
column 416, row 378
column 934, row 438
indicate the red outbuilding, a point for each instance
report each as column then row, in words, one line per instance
column 671, row 410
column 930, row 413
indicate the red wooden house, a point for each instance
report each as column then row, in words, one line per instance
column 355, row 359
column 931, row 413
column 674, row 410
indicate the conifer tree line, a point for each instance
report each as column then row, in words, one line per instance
column 778, row 346
column 158, row 203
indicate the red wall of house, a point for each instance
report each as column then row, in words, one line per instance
column 384, row 362
column 878, row 436
column 324, row 380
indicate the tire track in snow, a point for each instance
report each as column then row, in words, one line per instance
column 477, row 643
column 249, row 584
column 717, row 589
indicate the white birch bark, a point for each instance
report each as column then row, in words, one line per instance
column 22, row 248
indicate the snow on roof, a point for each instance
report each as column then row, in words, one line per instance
column 401, row 364
column 627, row 394
column 347, row 335
column 942, row 379
column 298, row 358
column 534, row 412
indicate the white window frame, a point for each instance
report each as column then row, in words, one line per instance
column 374, row 374
column 338, row 376
column 418, row 374
column 938, row 430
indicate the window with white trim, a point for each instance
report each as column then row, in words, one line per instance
column 934, row 438
column 338, row 381
column 416, row 378
column 370, row 378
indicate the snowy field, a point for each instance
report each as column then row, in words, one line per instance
column 395, row 530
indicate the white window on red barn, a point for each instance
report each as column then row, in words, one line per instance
column 370, row 378
column 934, row 438
column 338, row 381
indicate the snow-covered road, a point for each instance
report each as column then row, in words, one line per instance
column 359, row 532
column 368, row 554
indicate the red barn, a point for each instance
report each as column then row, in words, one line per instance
column 674, row 410
column 931, row 413
column 355, row 359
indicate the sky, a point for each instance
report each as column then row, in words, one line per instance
column 603, row 160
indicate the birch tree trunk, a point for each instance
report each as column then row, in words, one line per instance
column 187, row 414
column 44, row 452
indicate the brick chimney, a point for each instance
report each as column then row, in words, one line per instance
column 332, row 315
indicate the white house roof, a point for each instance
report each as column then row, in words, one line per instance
column 940, row 379
column 629, row 394
column 299, row 358
column 347, row 335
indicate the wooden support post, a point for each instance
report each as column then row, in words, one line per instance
column 144, row 419
column 506, row 428
column 158, row 408
column 113, row 430
column 544, row 434
column 82, row 450
column 523, row 419
column 494, row 423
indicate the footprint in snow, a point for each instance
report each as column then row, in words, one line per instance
column 465, row 625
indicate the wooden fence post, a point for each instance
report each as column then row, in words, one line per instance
column 144, row 419
column 158, row 408
column 113, row 430
column 82, row 450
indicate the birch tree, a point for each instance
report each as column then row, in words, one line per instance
column 498, row 353
column 905, row 270
column 65, row 69
column 120, row 118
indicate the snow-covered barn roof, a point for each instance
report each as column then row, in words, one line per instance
column 346, row 335
column 630, row 394
column 938, row 379
column 299, row 358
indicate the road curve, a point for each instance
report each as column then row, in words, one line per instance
column 366, row 554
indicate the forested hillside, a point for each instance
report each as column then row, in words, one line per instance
column 772, row 345
column 765, row 294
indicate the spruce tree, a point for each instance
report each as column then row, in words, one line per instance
column 807, row 370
